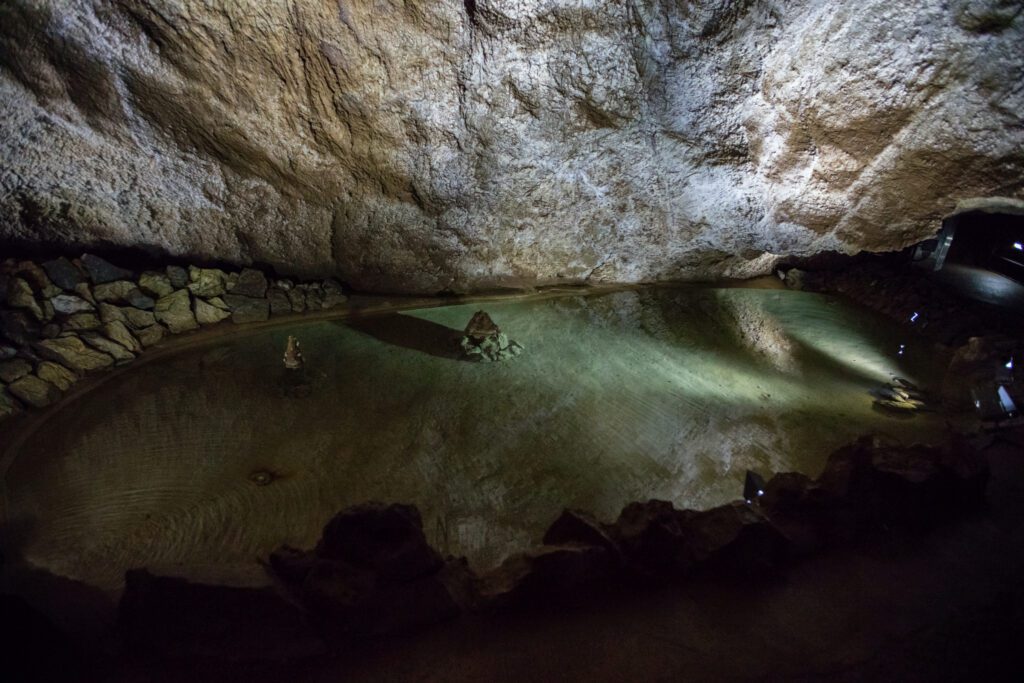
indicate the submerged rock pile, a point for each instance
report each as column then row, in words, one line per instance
column 373, row 572
column 66, row 318
column 484, row 341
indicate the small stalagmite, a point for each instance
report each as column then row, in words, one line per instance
column 293, row 354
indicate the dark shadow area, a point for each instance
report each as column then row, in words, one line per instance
column 55, row 628
column 411, row 333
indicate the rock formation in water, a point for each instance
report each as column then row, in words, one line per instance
column 484, row 341
column 424, row 146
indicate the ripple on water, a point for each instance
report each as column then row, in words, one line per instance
column 202, row 456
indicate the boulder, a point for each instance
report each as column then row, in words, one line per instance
column 124, row 292
column 66, row 304
column 33, row 391
column 101, row 271
column 385, row 539
column 575, row 527
column 120, row 354
column 56, row 374
column 72, row 353
column 149, row 336
column 118, row 332
column 64, row 274
column 11, row 370
column 175, row 311
column 81, row 321
column 251, row 283
column 651, row 537
column 552, row 574
column 110, row 313
column 353, row 602
column 207, row 314
column 333, row 294
column 280, row 304
column 205, row 282
column 137, row 319
column 297, row 299
column 20, row 327
column 38, row 279
column 155, row 284
column 247, row 310
column 83, row 290
column 177, row 276
column 8, row 404
column 230, row 615
column 20, row 295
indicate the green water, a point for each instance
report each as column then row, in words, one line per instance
column 656, row 393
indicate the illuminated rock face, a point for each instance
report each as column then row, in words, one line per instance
column 431, row 145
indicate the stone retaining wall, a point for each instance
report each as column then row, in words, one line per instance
column 63, row 319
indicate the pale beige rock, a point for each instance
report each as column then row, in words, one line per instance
column 148, row 336
column 208, row 314
column 73, row 354
column 155, row 284
column 56, row 374
column 175, row 311
column 33, row 391
column 118, row 352
column 206, row 282
column 412, row 147
column 118, row 332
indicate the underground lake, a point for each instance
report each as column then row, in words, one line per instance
column 207, row 454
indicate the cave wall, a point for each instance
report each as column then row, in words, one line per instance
column 427, row 145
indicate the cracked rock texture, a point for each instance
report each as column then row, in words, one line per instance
column 429, row 145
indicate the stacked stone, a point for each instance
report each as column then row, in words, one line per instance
column 66, row 318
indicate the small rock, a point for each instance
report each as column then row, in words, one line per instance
column 175, row 311
column 20, row 295
column 56, row 374
column 120, row 354
column 251, row 283
column 114, row 292
column 18, row 326
column 35, row 392
column 81, row 321
column 297, row 299
column 50, row 330
column 137, row 319
column 314, row 296
column 101, row 271
column 148, row 336
column 247, row 310
column 83, row 290
column 155, row 284
column 110, row 313
column 279, row 302
column 64, row 274
column 7, row 351
column 12, row 370
column 206, row 282
column 38, row 279
column 118, row 332
column 207, row 314
column 8, row 404
column 72, row 353
column 333, row 294
column 67, row 304
column 177, row 276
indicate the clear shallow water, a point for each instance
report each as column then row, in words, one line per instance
column 655, row 393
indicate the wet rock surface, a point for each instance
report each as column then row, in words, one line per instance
column 534, row 142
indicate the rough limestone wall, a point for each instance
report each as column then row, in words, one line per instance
column 423, row 145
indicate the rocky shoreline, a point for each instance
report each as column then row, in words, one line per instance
column 374, row 574
column 64, row 319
